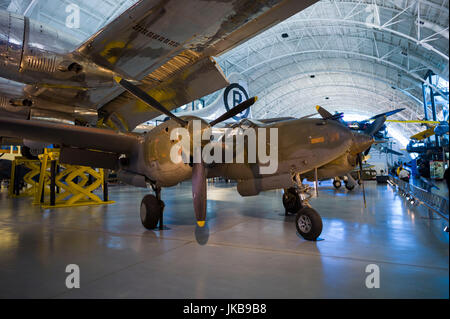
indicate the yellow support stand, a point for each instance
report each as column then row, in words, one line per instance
column 72, row 181
column 32, row 185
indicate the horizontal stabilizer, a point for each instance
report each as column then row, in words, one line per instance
column 69, row 135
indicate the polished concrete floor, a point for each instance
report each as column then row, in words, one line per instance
column 249, row 249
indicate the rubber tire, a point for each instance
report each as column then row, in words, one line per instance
column 337, row 184
column 349, row 187
column 150, row 211
column 291, row 201
column 316, row 223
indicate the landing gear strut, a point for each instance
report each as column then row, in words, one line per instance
column 291, row 201
column 307, row 221
column 152, row 208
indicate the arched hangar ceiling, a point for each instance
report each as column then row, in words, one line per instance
column 362, row 57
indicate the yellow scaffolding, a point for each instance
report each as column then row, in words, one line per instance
column 31, row 185
column 68, row 185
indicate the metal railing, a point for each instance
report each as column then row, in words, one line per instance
column 419, row 196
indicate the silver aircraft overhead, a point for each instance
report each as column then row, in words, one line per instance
column 165, row 47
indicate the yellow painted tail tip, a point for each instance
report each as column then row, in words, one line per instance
column 200, row 223
column 317, row 107
column 117, row 79
column 256, row 98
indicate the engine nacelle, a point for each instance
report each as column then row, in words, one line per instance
column 158, row 162
column 31, row 52
column 9, row 110
column 252, row 187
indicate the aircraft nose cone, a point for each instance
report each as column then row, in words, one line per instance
column 360, row 143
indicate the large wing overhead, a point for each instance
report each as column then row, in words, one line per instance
column 152, row 32
column 167, row 45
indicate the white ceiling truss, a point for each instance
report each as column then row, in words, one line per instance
column 362, row 57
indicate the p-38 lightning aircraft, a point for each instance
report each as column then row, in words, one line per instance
column 151, row 59
column 141, row 160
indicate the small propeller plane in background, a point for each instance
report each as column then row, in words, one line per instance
column 359, row 125
column 433, row 128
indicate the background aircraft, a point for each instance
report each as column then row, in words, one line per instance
column 359, row 125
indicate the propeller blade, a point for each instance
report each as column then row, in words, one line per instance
column 199, row 192
column 361, row 178
column 306, row 116
column 324, row 113
column 147, row 99
column 235, row 110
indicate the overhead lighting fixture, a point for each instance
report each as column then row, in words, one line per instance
column 284, row 35
column 312, row 76
column 327, row 98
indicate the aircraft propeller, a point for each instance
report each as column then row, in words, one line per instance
column 199, row 189
column 147, row 99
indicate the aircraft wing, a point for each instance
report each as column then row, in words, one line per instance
column 168, row 45
column 386, row 114
column 152, row 32
column 423, row 135
column 384, row 149
column 70, row 135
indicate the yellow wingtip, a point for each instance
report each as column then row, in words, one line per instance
column 200, row 223
column 256, row 98
column 317, row 107
column 117, row 79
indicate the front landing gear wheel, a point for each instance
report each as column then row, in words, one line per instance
column 337, row 184
column 308, row 223
column 151, row 211
column 291, row 201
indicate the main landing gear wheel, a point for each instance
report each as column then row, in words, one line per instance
column 151, row 211
column 349, row 186
column 291, row 201
column 308, row 223
column 337, row 184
